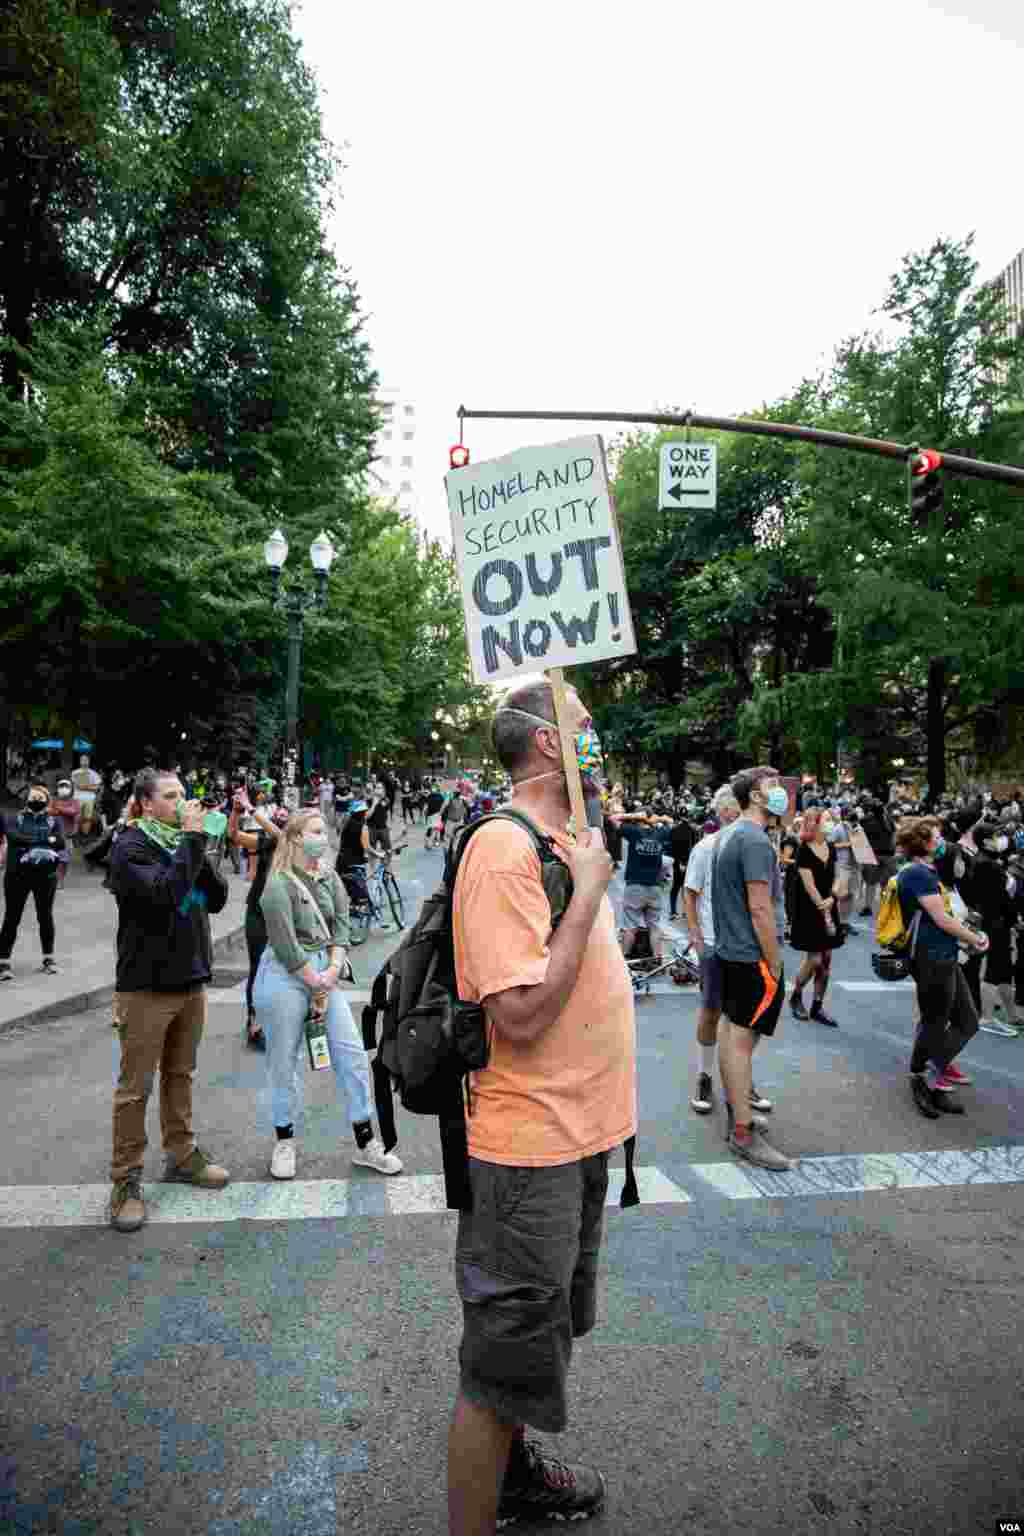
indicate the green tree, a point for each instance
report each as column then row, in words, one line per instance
column 930, row 619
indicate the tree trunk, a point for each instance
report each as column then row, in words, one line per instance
column 935, row 727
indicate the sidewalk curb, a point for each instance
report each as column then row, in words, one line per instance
column 81, row 1002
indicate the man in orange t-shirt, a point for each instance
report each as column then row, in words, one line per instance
column 558, row 1093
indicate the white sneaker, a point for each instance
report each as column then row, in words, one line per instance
column 282, row 1164
column 997, row 1027
column 374, row 1156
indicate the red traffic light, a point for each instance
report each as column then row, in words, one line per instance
column 458, row 456
column 926, row 461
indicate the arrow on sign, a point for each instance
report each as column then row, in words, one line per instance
column 678, row 492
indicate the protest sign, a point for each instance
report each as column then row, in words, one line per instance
column 539, row 558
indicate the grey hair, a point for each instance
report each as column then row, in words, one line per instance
column 512, row 733
column 723, row 799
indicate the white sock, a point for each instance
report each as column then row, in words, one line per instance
column 707, row 1058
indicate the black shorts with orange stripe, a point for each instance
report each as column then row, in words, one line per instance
column 751, row 996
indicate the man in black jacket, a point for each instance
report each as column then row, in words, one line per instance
column 165, row 889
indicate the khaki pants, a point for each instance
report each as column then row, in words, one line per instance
column 157, row 1029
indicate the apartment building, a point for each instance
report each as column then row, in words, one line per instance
column 394, row 466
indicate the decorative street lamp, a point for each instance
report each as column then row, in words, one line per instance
column 295, row 604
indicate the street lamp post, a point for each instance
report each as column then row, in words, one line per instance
column 295, row 604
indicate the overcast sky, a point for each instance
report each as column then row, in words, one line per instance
column 625, row 207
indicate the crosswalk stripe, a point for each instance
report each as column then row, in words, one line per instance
column 85, row 1205
column 858, row 1174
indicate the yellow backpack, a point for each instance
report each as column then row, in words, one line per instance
column 890, row 929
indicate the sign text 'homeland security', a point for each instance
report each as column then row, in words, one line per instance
column 538, row 550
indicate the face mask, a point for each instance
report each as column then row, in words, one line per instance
column 179, row 813
column 940, row 847
column 588, row 751
column 36, row 803
column 777, row 800
column 315, row 844
column 1002, row 843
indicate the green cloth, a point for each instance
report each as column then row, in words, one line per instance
column 292, row 929
column 159, row 832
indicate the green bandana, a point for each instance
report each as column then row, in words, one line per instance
column 159, row 832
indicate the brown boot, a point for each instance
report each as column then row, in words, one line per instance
column 127, row 1207
column 197, row 1170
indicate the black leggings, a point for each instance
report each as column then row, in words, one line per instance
column 256, row 940
column 948, row 1017
column 678, row 876
column 18, row 886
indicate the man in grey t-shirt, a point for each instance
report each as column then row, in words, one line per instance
column 747, row 946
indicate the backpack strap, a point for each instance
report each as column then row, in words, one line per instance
column 544, row 847
column 454, row 1147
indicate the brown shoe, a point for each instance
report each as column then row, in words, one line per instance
column 197, row 1170
column 127, row 1207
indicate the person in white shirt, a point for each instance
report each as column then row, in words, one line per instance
column 701, row 927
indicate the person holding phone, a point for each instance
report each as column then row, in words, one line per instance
column 166, row 889
column 262, row 843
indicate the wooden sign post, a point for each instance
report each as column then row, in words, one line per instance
column 567, row 736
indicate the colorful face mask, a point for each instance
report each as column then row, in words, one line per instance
column 587, row 743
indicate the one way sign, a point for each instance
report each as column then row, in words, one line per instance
column 688, row 476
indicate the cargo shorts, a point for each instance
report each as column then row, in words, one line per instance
column 526, row 1270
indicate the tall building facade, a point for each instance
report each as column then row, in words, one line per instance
column 394, row 466
column 1011, row 280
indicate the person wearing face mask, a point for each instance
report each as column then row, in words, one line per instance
column 815, row 921
column 31, row 844
column 991, row 899
column 165, row 888
column 305, row 908
column 70, row 812
column 261, row 843
column 557, row 1094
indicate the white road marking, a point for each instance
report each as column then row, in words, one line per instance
column 875, row 986
column 858, row 1173
column 85, row 1205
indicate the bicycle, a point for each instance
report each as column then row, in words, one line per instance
column 368, row 895
column 383, row 885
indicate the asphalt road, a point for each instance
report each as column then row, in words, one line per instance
column 840, row 1351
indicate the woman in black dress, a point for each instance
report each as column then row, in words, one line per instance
column 814, row 915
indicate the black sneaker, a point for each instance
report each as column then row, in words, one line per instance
column 6, row 974
column 539, row 1487
column 758, row 1100
column 923, row 1096
column 703, row 1100
column 796, row 1007
column 49, row 965
column 819, row 1016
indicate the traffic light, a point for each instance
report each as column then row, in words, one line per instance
column 927, row 493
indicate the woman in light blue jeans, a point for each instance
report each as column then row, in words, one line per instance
column 306, row 914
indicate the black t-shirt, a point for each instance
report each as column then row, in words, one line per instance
column 350, row 848
column 435, row 800
column 378, row 818
column 264, row 854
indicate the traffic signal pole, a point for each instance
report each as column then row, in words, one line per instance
column 955, row 463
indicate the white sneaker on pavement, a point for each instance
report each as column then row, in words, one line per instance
column 282, row 1164
column 373, row 1156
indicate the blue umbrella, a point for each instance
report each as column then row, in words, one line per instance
column 49, row 744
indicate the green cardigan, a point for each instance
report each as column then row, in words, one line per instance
column 292, row 929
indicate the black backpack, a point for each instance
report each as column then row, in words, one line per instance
column 426, row 1039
